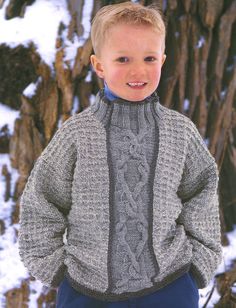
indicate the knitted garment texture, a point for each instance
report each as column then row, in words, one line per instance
column 122, row 194
column 132, row 142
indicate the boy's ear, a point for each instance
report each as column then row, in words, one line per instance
column 97, row 66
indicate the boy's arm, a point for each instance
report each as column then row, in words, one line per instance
column 44, row 205
column 200, row 213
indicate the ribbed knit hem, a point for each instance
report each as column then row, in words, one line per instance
column 59, row 276
column 127, row 295
column 197, row 277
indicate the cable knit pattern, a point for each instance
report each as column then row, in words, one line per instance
column 132, row 263
column 132, row 145
column 70, row 187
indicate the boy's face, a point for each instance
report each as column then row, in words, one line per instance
column 130, row 61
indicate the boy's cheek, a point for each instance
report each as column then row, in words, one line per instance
column 114, row 77
column 157, row 75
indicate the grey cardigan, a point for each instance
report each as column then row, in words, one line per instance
column 68, row 189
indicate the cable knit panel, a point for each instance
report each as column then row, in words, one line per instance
column 132, row 156
column 132, row 135
column 132, row 151
column 133, row 265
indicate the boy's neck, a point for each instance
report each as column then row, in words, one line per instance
column 109, row 94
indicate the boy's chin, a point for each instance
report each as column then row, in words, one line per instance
column 136, row 95
column 135, row 98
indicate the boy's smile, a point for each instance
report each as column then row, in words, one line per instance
column 130, row 60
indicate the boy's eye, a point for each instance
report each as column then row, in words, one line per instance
column 150, row 59
column 122, row 59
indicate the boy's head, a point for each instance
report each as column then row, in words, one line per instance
column 129, row 42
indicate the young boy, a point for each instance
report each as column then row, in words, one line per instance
column 131, row 182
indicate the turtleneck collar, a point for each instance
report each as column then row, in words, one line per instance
column 108, row 93
column 125, row 114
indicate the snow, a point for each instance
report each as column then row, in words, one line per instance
column 229, row 252
column 223, row 94
column 72, row 46
column 177, row 34
column 200, row 42
column 164, row 5
column 207, row 141
column 234, row 288
column 86, row 19
column 36, row 288
column 75, row 105
column 229, row 255
column 12, row 269
column 39, row 25
column 186, row 104
column 8, row 116
column 92, row 99
column 88, row 77
column 230, row 68
column 30, row 90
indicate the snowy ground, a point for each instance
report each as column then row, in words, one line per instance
column 229, row 255
column 12, row 271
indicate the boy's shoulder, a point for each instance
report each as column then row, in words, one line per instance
column 77, row 117
column 77, row 120
column 181, row 126
column 170, row 117
column 174, row 117
column 72, row 126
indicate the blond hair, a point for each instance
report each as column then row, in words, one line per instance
column 128, row 13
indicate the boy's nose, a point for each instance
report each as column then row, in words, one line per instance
column 138, row 71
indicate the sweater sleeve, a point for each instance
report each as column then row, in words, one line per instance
column 200, row 213
column 44, row 205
